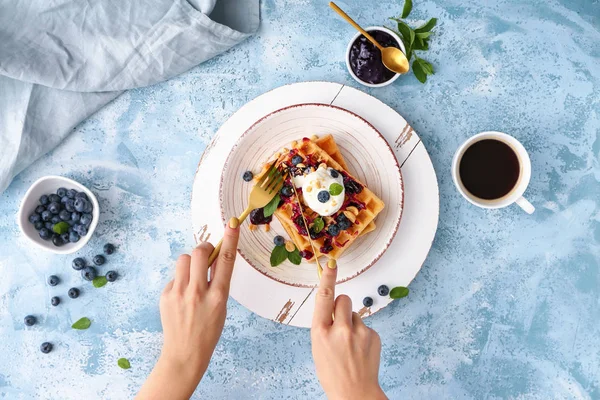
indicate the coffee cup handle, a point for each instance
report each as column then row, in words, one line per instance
column 525, row 205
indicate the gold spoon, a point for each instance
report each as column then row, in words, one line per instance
column 393, row 58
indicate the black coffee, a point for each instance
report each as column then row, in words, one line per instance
column 489, row 169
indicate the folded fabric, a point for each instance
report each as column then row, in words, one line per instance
column 62, row 60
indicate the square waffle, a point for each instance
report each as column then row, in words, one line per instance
column 360, row 207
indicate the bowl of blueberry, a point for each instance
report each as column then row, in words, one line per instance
column 363, row 59
column 58, row 214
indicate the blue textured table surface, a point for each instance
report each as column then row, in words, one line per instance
column 506, row 306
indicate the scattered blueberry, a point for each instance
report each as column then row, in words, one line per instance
column 109, row 248
column 86, row 219
column 38, row 225
column 383, row 290
column 61, row 192
column 54, row 198
column 46, row 215
column 54, row 207
column 297, row 160
column 73, row 293
column 74, row 237
column 323, row 196
column 48, row 225
column 55, row 219
column 40, row 209
column 89, row 273
column 35, row 217
column 78, row 264
column 99, row 259
column 30, row 320
column 334, row 173
column 70, row 205
column 64, row 199
column 46, row 347
column 279, row 240
column 55, row 301
column 64, row 215
column 111, row 276
column 333, row 230
column 75, row 216
column 80, row 204
column 57, row 240
column 81, row 195
column 53, row 280
column 45, row 233
column 248, row 175
column 367, row 302
column 286, row 191
column 71, row 193
column 44, row 200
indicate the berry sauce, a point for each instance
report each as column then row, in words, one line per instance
column 257, row 217
column 365, row 58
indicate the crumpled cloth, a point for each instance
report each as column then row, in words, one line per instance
column 62, row 60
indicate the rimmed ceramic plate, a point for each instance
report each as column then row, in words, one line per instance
column 369, row 157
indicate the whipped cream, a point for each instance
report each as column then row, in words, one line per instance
column 314, row 183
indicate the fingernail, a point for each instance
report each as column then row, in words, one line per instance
column 233, row 222
column 332, row 264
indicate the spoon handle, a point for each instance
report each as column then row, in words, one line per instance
column 354, row 24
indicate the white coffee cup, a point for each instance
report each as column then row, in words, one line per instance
column 516, row 193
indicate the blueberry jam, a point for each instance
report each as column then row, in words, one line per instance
column 365, row 58
column 306, row 254
column 257, row 217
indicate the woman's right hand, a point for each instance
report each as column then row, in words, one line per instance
column 345, row 350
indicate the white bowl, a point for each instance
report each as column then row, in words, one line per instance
column 379, row 28
column 48, row 185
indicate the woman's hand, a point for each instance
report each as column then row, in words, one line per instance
column 193, row 312
column 345, row 350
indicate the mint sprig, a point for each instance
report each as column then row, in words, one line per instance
column 399, row 292
column 123, row 363
column 99, row 281
column 270, row 208
column 82, row 323
column 335, row 189
column 280, row 254
column 318, row 225
column 60, row 227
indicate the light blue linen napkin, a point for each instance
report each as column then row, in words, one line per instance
column 62, row 60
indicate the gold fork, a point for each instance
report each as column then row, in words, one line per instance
column 262, row 193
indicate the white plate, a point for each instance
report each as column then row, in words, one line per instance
column 402, row 260
column 369, row 157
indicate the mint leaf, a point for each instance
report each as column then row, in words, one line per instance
column 428, row 26
column 270, row 208
column 427, row 67
column 278, row 255
column 123, row 363
column 294, row 257
column 404, row 31
column 335, row 189
column 61, row 227
column 422, row 35
column 99, row 281
column 418, row 71
column 318, row 224
column 420, row 44
column 399, row 292
column 407, row 8
column 82, row 324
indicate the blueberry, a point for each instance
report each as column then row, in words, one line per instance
column 64, row 199
column 46, row 347
column 286, row 191
column 111, row 276
column 248, row 175
column 383, row 290
column 64, row 215
column 74, row 237
column 54, row 207
column 334, row 173
column 40, row 209
column 86, row 219
column 75, row 216
column 73, row 293
column 89, row 273
column 353, row 187
column 297, row 160
column 55, row 219
column 109, row 248
column 38, row 225
column 80, row 204
column 57, row 240
column 81, row 195
column 35, row 217
column 367, row 302
column 343, row 222
column 61, row 192
column 279, row 240
column 48, row 225
column 333, row 230
column 53, row 280
column 45, row 234
column 88, row 207
column 82, row 230
column 78, row 264
column 71, row 193
column 30, row 320
column 65, row 237
column 99, row 259
column 55, row 301
column 44, row 200
column 315, row 235
column 54, row 198
column 323, row 196
column 46, row 216
column 70, row 205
